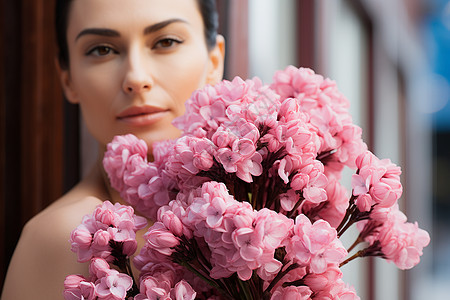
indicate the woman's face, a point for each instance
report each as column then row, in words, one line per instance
column 134, row 63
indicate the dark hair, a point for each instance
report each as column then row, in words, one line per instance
column 207, row 9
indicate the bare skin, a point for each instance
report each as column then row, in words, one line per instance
column 48, row 234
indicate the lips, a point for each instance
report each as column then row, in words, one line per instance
column 142, row 115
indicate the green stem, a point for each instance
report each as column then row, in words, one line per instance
column 200, row 256
column 245, row 289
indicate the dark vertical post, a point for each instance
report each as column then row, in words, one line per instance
column 306, row 37
column 31, row 130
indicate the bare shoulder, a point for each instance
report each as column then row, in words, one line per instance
column 67, row 212
column 43, row 257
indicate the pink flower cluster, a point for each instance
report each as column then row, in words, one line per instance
column 327, row 109
column 110, row 228
column 377, row 188
column 235, row 127
column 103, row 283
column 377, row 182
column 117, row 225
column 315, row 245
column 248, row 199
column 393, row 238
column 140, row 184
column 241, row 240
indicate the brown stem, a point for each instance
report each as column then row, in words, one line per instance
column 347, row 226
column 289, row 214
column 348, row 213
column 278, row 278
column 360, row 253
column 356, row 243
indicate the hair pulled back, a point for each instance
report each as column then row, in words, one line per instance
column 207, row 9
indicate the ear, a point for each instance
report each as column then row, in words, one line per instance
column 66, row 83
column 216, row 58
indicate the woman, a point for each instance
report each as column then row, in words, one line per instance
column 130, row 65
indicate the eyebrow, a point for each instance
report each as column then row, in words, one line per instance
column 98, row 31
column 161, row 25
column 114, row 33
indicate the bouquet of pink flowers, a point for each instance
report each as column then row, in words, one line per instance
column 247, row 203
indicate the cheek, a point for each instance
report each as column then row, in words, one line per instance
column 95, row 80
column 97, row 87
column 189, row 77
column 96, row 91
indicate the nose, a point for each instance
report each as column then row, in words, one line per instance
column 137, row 76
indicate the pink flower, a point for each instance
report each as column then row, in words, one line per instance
column 117, row 155
column 342, row 291
column 323, row 281
column 77, row 287
column 386, row 194
column 289, row 199
column 364, row 202
column 222, row 138
column 392, row 237
column 215, row 211
column 114, row 285
column 170, row 220
column 315, row 194
column 250, row 166
column 81, row 240
column 360, row 184
column 332, row 210
column 339, row 291
column 249, row 243
column 137, row 171
column 248, row 131
column 203, row 160
column 272, row 227
column 107, row 223
column 99, row 267
column 269, row 267
column 153, row 289
column 228, row 159
column 161, row 239
column 292, row 292
column 244, row 147
column 315, row 245
column 311, row 179
column 379, row 179
column 365, row 159
column 183, row 291
column 403, row 244
column 147, row 259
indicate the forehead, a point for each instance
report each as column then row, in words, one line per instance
column 122, row 15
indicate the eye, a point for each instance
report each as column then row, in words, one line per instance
column 101, row 50
column 166, row 43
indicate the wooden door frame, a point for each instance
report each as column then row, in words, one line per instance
column 32, row 118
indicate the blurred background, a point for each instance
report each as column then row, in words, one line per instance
column 391, row 58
